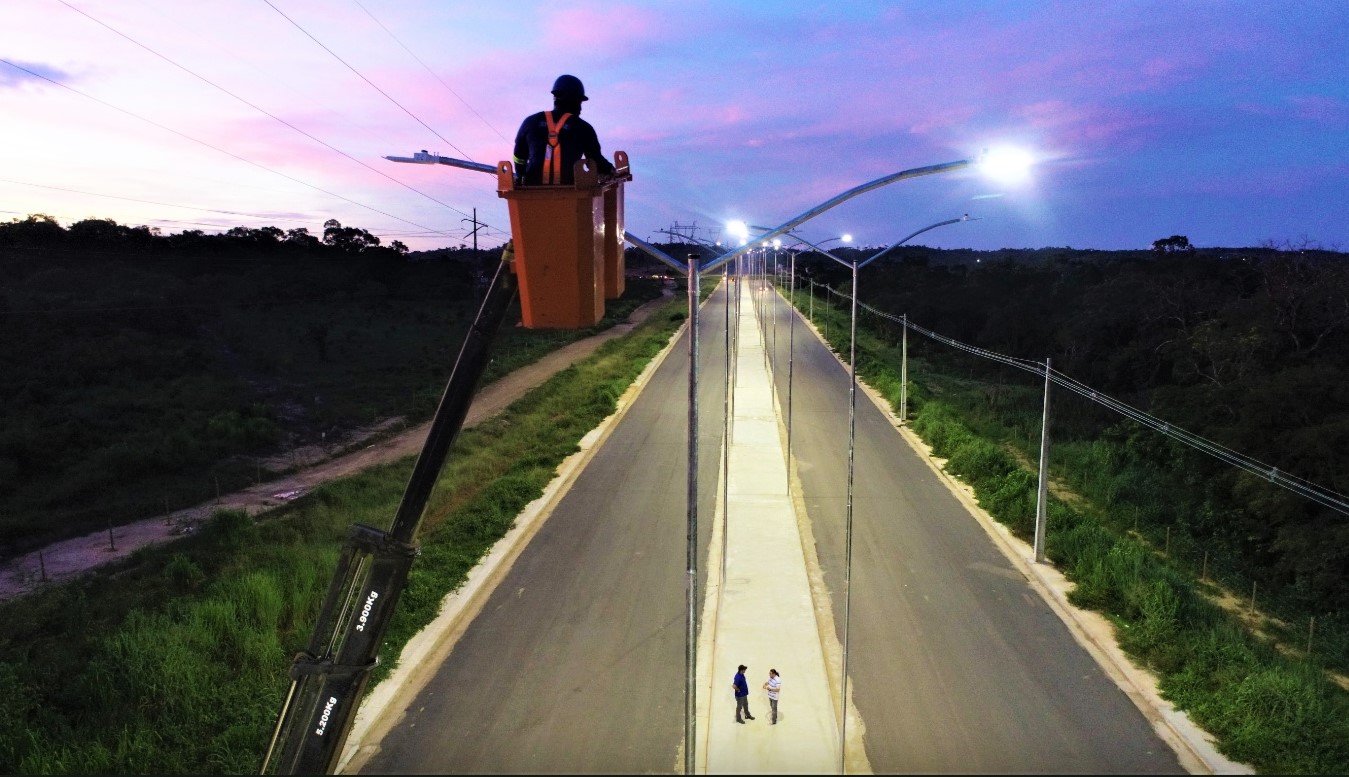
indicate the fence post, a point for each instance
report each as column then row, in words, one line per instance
column 1311, row 629
column 1042, row 495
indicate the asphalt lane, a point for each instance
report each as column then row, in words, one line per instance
column 576, row 662
column 955, row 663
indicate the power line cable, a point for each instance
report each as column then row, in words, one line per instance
column 1319, row 494
column 216, row 148
column 263, row 111
column 432, row 72
column 367, row 80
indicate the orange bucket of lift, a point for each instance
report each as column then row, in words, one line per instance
column 568, row 243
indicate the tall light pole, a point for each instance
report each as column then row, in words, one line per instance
column 777, row 245
column 1011, row 163
column 854, row 266
column 791, row 336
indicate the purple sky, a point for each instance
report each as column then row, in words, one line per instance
column 1227, row 122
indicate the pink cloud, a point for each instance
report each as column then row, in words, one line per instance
column 1319, row 109
column 616, row 28
column 943, row 119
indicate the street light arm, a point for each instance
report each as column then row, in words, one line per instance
column 423, row 158
column 845, row 196
column 802, row 241
column 912, row 235
column 658, row 254
column 816, row 246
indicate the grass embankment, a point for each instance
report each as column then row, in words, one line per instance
column 176, row 660
column 136, row 386
column 1274, row 710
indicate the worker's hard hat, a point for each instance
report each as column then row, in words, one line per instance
column 569, row 87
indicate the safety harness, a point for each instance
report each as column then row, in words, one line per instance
column 552, row 156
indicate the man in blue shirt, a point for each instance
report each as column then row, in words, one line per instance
column 741, row 694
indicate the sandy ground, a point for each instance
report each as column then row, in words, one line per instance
column 64, row 560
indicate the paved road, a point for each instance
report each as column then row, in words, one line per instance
column 955, row 664
column 576, row 663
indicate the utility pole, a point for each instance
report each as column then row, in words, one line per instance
column 1042, row 493
column 476, row 226
column 687, row 232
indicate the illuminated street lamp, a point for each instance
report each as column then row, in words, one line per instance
column 1007, row 164
column 852, row 436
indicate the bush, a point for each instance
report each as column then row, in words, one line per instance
column 231, row 529
column 1012, row 498
column 979, row 461
column 183, row 573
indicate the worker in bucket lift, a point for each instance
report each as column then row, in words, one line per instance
column 550, row 142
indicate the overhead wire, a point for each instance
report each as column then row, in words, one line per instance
column 261, row 110
column 185, row 136
column 377, row 88
column 361, row 75
column 1305, row 488
column 432, row 72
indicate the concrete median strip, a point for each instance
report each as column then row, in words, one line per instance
column 761, row 613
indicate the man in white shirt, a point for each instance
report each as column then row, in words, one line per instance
column 773, row 685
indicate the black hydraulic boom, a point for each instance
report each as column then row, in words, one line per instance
column 329, row 677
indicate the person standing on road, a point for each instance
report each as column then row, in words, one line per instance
column 741, row 694
column 773, row 685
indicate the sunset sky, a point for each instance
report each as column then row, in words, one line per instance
column 1227, row 122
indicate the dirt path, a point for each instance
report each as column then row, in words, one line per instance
column 64, row 560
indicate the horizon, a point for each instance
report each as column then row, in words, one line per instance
column 1226, row 124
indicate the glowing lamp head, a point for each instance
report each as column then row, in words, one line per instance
column 1006, row 164
column 738, row 229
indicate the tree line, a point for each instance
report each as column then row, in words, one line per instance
column 41, row 230
column 143, row 371
column 1248, row 348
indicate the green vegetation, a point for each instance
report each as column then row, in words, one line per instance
column 176, row 660
column 1141, row 524
column 141, row 369
column 145, row 373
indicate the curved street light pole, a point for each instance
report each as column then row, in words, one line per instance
column 837, row 200
column 791, row 334
column 852, row 448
